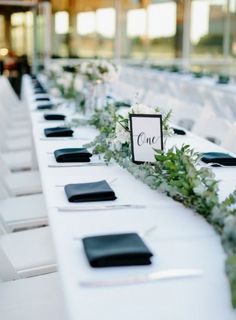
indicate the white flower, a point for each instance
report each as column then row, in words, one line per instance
column 84, row 67
column 99, row 70
column 55, row 92
column 122, row 136
column 66, row 80
column 199, row 189
column 55, row 68
column 142, row 109
column 78, row 83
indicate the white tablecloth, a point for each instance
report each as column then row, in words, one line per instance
column 182, row 239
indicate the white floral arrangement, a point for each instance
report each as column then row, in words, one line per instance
column 66, row 85
column 54, row 71
column 98, row 71
column 122, row 130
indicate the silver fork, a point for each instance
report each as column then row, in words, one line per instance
column 215, row 165
column 139, row 279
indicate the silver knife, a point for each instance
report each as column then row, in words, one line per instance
column 62, row 139
column 94, row 164
column 132, row 280
column 101, row 207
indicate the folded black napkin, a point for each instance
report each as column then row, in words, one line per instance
column 116, row 250
column 122, row 104
column 91, row 191
column 69, row 69
column 42, row 99
column 72, row 155
column 219, row 158
column 39, row 91
column 223, row 79
column 54, row 116
column 198, row 74
column 58, row 132
column 38, row 87
column 45, row 106
column 179, row 131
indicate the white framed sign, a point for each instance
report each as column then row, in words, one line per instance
column 146, row 135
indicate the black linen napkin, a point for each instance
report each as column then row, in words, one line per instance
column 45, row 106
column 219, row 158
column 58, row 132
column 91, row 191
column 126, row 249
column 179, row 131
column 122, row 104
column 223, row 79
column 38, row 87
column 39, row 91
column 42, row 99
column 72, row 155
column 54, row 116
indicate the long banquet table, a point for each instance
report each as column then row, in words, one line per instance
column 182, row 238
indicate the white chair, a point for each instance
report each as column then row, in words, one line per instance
column 229, row 141
column 212, row 127
column 191, row 92
column 20, row 183
column 27, row 253
column 34, row 298
column 228, row 106
column 7, row 116
column 128, row 92
column 184, row 114
column 9, row 96
column 16, row 144
column 25, row 212
column 13, row 111
column 19, row 160
column 12, row 131
column 153, row 99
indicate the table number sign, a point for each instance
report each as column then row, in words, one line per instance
column 146, row 135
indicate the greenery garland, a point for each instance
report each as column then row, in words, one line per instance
column 176, row 173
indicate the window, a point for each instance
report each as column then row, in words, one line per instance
column 21, row 33
column 86, row 23
column 96, row 30
column 85, row 44
column 136, row 32
column 62, row 22
column 207, row 34
column 2, row 33
column 162, row 29
column 105, row 27
column 232, row 13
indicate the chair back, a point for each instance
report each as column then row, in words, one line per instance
column 229, row 141
column 7, row 93
column 212, row 128
column 3, row 190
column 7, row 271
column 4, row 170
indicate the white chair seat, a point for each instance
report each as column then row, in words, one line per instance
column 19, row 160
column 22, row 183
column 32, row 299
column 30, row 252
column 18, row 133
column 19, row 123
column 24, row 143
column 23, row 212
